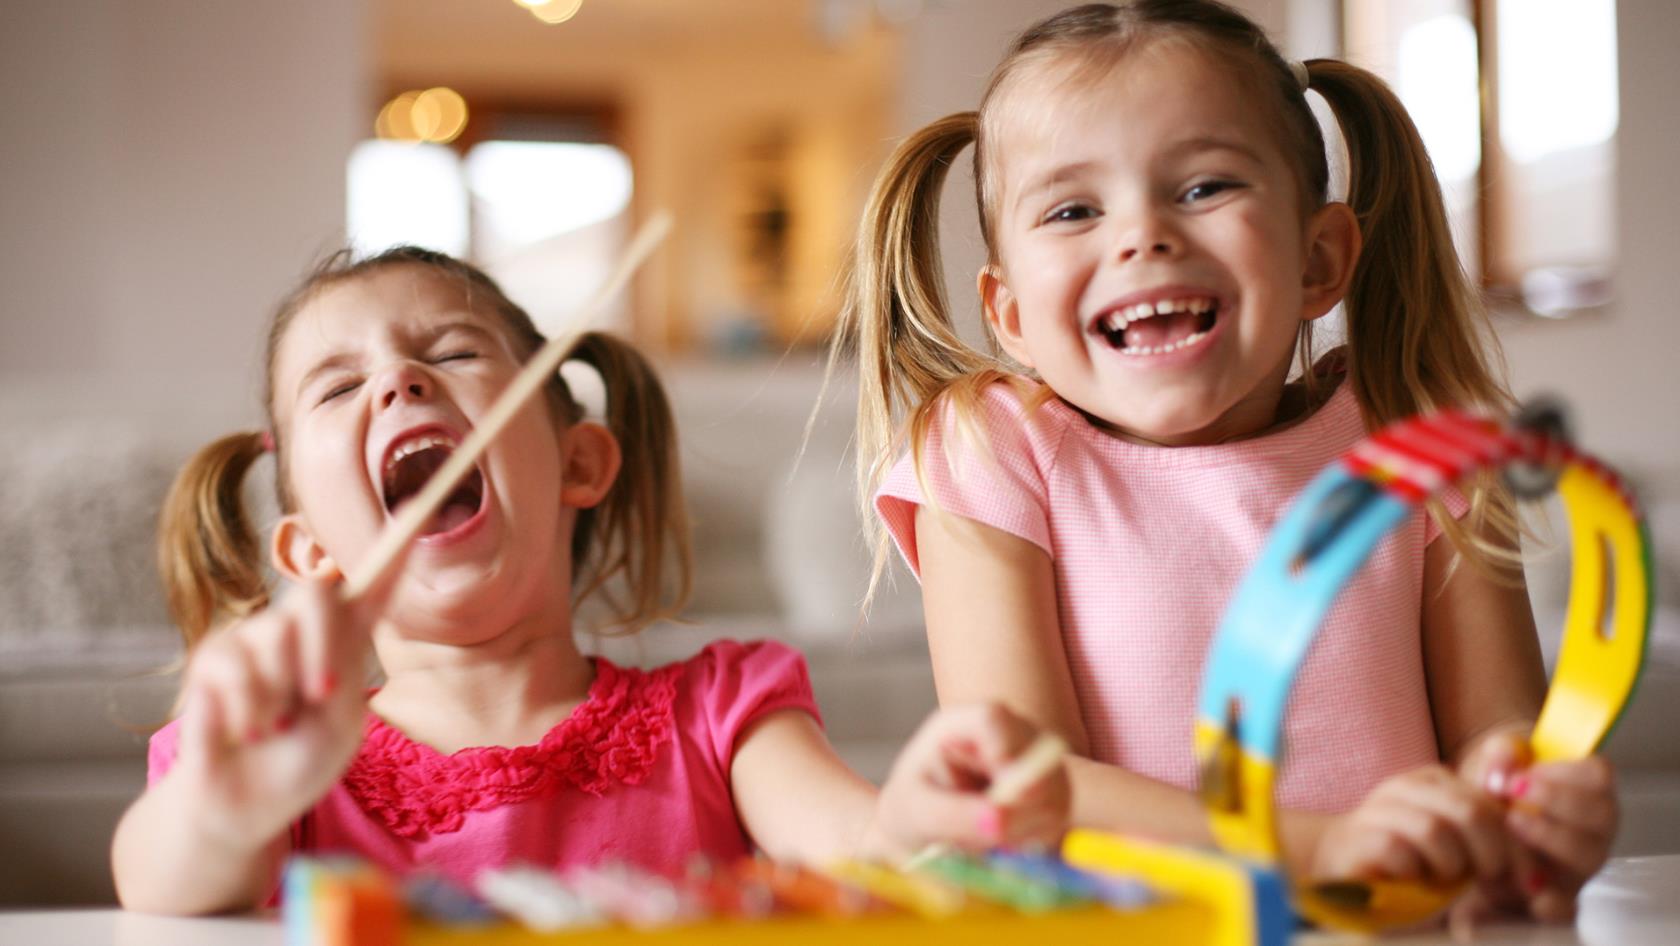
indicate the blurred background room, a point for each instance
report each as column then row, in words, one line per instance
column 169, row 168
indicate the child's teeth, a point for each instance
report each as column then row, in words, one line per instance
column 1184, row 342
column 1120, row 318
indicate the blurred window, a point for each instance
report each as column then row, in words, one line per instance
column 546, row 218
column 1528, row 180
column 406, row 192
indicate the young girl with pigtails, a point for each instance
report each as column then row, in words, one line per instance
column 492, row 740
column 1080, row 501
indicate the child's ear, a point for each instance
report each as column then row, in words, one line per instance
column 589, row 462
column 1333, row 244
column 1003, row 313
column 297, row 555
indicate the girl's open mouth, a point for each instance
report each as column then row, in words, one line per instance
column 412, row 463
column 1160, row 327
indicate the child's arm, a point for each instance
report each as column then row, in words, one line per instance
column 991, row 610
column 1486, row 684
column 800, row 802
column 273, row 715
column 1481, row 654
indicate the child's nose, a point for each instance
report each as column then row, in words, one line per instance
column 403, row 381
column 1149, row 237
column 1155, row 248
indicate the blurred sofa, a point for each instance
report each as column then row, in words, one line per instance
column 86, row 653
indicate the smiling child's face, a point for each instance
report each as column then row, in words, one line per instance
column 376, row 380
column 1151, row 244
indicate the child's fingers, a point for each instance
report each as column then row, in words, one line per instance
column 1581, row 793
column 1438, row 848
column 1553, row 904
column 1578, row 852
column 962, row 819
column 1472, row 819
column 1033, row 826
column 995, row 734
column 227, row 667
column 1457, row 830
column 1548, row 890
column 961, row 767
column 330, row 639
column 1388, row 855
column 274, row 660
column 1498, row 757
column 976, row 743
column 203, row 736
column 315, row 658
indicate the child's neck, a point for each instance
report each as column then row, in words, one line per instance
column 508, row 692
column 1279, row 406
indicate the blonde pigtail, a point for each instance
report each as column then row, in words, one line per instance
column 896, row 320
column 209, row 555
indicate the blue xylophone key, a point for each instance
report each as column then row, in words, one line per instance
column 437, row 898
column 1117, row 892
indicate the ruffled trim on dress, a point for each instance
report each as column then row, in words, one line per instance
column 613, row 737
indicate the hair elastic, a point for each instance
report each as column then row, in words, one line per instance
column 587, row 386
column 267, row 441
column 1298, row 69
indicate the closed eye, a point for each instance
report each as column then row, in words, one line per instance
column 454, row 356
column 339, row 389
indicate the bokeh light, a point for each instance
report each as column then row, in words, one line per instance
column 436, row 115
column 552, row 11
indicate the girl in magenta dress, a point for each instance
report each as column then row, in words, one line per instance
column 491, row 739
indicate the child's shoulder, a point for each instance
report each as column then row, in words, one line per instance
column 729, row 684
column 1017, row 397
column 744, row 669
column 1000, row 414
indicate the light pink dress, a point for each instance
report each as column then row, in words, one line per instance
column 1148, row 544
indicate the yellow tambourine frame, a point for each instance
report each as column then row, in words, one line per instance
column 1321, row 542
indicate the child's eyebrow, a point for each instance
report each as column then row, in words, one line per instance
column 464, row 327
column 332, row 362
column 1051, row 176
column 1201, row 143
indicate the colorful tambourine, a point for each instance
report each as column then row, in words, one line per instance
column 1325, row 538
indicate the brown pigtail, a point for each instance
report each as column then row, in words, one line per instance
column 208, row 553
column 1417, row 331
column 1418, row 337
column 641, row 528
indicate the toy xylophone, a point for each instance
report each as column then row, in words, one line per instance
column 1190, row 897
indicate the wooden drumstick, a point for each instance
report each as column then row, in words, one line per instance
column 525, row 385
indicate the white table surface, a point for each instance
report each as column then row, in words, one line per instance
column 1632, row 902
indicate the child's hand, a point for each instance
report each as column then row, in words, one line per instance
column 1425, row 825
column 937, row 789
column 1562, row 816
column 274, row 712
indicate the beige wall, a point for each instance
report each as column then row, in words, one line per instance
column 168, row 167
